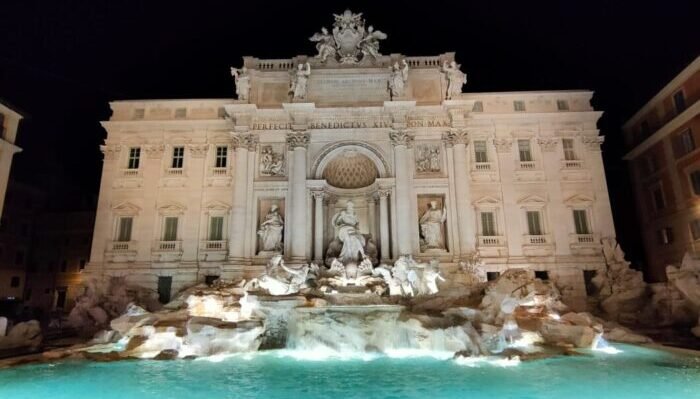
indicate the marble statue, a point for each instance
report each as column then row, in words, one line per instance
column 271, row 230
column 350, row 42
column 300, row 81
column 430, row 276
column 242, row 79
column 428, row 159
column 325, row 44
column 271, row 163
column 347, row 231
column 431, row 227
column 455, row 79
column 397, row 79
column 280, row 279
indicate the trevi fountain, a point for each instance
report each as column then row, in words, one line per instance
column 378, row 305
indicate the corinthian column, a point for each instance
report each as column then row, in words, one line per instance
column 401, row 141
column 458, row 139
column 297, row 143
column 242, row 144
column 318, row 225
column 384, row 225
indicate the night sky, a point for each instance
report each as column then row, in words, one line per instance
column 62, row 61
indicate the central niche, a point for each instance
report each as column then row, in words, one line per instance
column 350, row 169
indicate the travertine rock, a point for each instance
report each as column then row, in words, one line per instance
column 26, row 334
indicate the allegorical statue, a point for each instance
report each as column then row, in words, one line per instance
column 300, row 81
column 242, row 79
column 397, row 79
column 325, row 44
column 455, row 79
column 370, row 44
column 347, row 230
column 431, row 227
column 271, row 163
column 270, row 231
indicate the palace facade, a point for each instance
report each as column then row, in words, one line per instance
column 197, row 189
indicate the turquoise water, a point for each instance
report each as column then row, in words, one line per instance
column 635, row 373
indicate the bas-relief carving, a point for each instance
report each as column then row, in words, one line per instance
column 455, row 79
column 432, row 223
column 272, row 163
column 271, row 228
column 349, row 42
column 242, row 79
column 428, row 158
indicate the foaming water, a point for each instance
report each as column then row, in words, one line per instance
column 636, row 372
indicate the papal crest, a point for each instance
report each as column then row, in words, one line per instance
column 350, row 42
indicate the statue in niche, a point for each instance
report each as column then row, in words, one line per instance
column 347, row 231
column 270, row 231
column 325, row 44
column 300, row 81
column 431, row 227
column 397, row 79
column 271, row 163
column 242, row 79
column 455, row 79
column 428, row 159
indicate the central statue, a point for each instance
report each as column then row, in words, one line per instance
column 348, row 232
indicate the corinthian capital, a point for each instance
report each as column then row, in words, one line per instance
column 455, row 136
column 247, row 141
column 298, row 139
column 401, row 137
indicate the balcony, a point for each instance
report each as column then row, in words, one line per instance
column 538, row 245
column 174, row 172
column 167, row 251
column 483, row 166
column 528, row 171
column 121, row 251
column 527, row 165
column 219, row 172
column 572, row 164
column 130, row 172
column 492, row 246
column 484, row 171
column 213, row 250
column 584, row 244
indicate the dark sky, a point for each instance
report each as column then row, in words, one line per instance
column 62, row 61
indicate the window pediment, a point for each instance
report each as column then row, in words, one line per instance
column 487, row 201
column 579, row 199
column 217, row 206
column 126, row 209
column 532, row 201
column 171, row 208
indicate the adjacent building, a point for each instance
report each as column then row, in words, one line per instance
column 9, row 123
column 664, row 161
column 196, row 189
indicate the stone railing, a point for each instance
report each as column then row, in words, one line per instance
column 537, row 239
column 272, row 65
column 424, row 62
column 131, row 172
column 572, row 164
column 168, row 246
column 583, row 239
column 218, row 172
column 218, row 245
column 174, row 171
column 122, row 246
column 483, row 166
column 491, row 241
column 527, row 165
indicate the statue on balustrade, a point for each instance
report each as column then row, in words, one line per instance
column 242, row 79
column 300, row 81
column 271, row 230
column 397, row 79
column 431, row 227
column 455, row 79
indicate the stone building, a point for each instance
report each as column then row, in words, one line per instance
column 664, row 161
column 9, row 123
column 352, row 149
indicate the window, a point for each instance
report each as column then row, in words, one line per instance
column 19, row 257
column 684, row 143
column 480, row 151
column 568, row 145
column 170, row 229
column 581, row 221
column 180, row 113
column 665, row 236
column 124, row 228
column 695, row 181
column 216, row 228
column 679, row 101
column 658, row 197
column 14, row 281
column 524, row 150
column 491, row 276
column 534, row 224
column 519, row 105
column 542, row 275
column 488, row 224
column 134, row 157
column 139, row 113
column 178, row 157
column 221, row 156
column 695, row 229
column 478, row 106
column 562, row 105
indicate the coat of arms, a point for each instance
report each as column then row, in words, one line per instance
column 350, row 42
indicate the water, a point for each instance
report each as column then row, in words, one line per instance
column 635, row 372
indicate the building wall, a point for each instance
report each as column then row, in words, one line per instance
column 659, row 145
column 9, row 123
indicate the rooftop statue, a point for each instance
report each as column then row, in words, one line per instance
column 397, row 79
column 349, row 42
column 242, row 79
column 299, row 81
column 455, row 79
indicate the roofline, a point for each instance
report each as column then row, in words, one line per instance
column 693, row 67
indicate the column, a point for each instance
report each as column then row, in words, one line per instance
column 297, row 142
column 401, row 141
column 318, row 225
column 560, row 219
column 372, row 217
column 240, row 197
column 465, row 214
column 384, row 225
